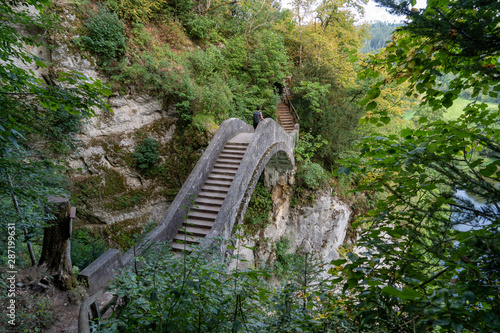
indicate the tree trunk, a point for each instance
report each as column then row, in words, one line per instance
column 55, row 256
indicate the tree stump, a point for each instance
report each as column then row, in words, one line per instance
column 56, row 257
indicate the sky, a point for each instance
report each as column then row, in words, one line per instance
column 372, row 12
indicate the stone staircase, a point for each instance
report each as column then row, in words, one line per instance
column 285, row 118
column 207, row 204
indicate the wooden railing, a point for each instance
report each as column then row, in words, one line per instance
column 295, row 115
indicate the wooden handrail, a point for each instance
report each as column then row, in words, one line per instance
column 294, row 112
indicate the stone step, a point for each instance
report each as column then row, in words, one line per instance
column 221, row 177
column 211, row 196
column 200, row 207
column 228, row 162
column 214, row 195
column 198, row 223
column 181, row 247
column 208, row 201
column 224, row 167
column 215, row 188
column 232, row 143
column 235, row 148
column 202, row 215
column 219, row 182
column 233, row 153
column 181, row 237
column 192, row 231
column 232, row 157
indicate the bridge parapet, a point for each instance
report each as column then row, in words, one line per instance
column 270, row 144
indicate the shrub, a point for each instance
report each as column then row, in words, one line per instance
column 201, row 27
column 158, row 72
column 310, row 173
column 85, row 248
column 259, row 209
column 284, row 260
column 199, row 293
column 136, row 10
column 313, row 175
column 105, row 35
column 217, row 99
column 146, row 154
column 268, row 61
column 60, row 125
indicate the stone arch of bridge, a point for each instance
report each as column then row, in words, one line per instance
column 270, row 150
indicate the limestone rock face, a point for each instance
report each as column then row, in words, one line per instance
column 106, row 184
column 320, row 228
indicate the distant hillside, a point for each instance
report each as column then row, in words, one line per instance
column 380, row 34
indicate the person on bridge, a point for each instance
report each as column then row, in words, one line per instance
column 257, row 117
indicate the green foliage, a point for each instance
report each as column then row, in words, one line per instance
column 285, row 260
column 258, row 214
column 188, row 293
column 217, row 98
column 307, row 146
column 311, row 92
column 359, row 201
column 157, row 72
column 430, row 255
column 31, row 110
column 105, row 35
column 126, row 234
column 422, row 170
column 268, row 61
column 336, row 119
column 309, row 173
column 236, row 54
column 417, row 53
column 85, row 247
column 135, row 10
column 312, row 174
column 146, row 153
column 201, row 27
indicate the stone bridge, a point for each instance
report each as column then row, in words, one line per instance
column 269, row 148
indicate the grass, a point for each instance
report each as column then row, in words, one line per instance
column 456, row 109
